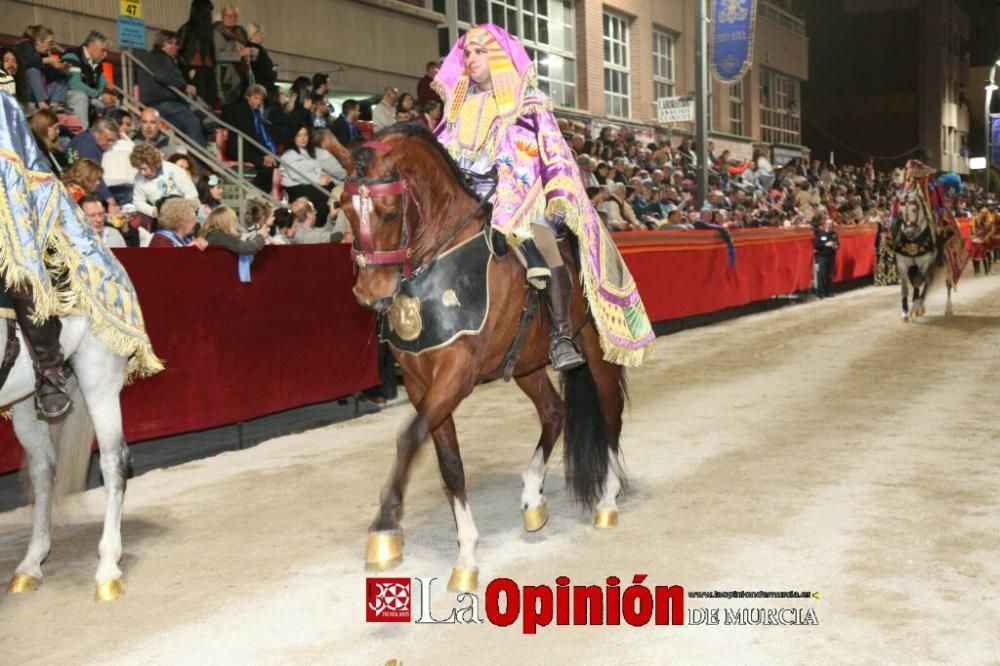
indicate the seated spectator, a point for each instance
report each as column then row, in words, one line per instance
column 247, row 116
column 82, row 178
column 384, row 113
column 45, row 71
column 176, row 222
column 86, row 78
column 10, row 62
column 209, row 195
column 406, row 104
column 343, row 126
column 160, row 88
column 97, row 216
column 620, row 214
column 197, row 51
column 258, row 218
column 309, row 166
column 431, row 116
column 232, row 55
column 126, row 123
column 185, row 162
column 150, row 132
column 110, row 102
column 157, row 179
column 128, row 223
column 403, row 116
column 319, row 117
column 602, row 173
column 221, row 229
column 303, row 230
column 45, row 126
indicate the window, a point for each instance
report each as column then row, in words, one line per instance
column 736, row 108
column 616, row 66
column 780, row 115
column 664, row 81
column 545, row 27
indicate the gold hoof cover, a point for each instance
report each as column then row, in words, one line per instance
column 535, row 519
column 463, row 580
column 606, row 519
column 385, row 549
column 109, row 590
column 21, row 583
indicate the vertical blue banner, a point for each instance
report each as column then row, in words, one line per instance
column 732, row 38
column 995, row 140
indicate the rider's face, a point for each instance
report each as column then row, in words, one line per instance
column 477, row 63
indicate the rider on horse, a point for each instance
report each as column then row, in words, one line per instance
column 501, row 131
column 52, row 265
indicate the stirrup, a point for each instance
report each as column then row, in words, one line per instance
column 52, row 389
column 538, row 277
column 565, row 359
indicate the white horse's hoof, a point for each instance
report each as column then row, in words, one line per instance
column 463, row 580
column 535, row 519
column 606, row 519
column 22, row 582
column 109, row 590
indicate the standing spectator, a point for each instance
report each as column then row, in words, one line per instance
column 86, row 78
column 197, row 51
column 222, row 229
column 425, row 93
column 150, row 132
column 826, row 244
column 431, row 116
column 279, row 119
column 10, row 62
column 232, row 53
column 265, row 72
column 45, row 126
column 119, row 174
column 310, row 166
column 45, row 71
column 343, row 126
column 157, row 180
column 765, row 172
column 158, row 87
column 320, row 84
column 177, row 221
column 92, row 144
column 97, row 216
column 405, row 104
column 247, row 116
column 384, row 113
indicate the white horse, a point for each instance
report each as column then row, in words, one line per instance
column 916, row 248
column 100, row 374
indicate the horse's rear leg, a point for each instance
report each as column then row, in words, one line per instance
column 609, row 380
column 551, row 413
column 33, row 433
column 948, row 310
column 465, row 575
column 102, row 374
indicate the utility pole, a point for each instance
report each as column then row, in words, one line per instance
column 991, row 86
column 701, row 99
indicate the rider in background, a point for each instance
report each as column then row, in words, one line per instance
column 501, row 131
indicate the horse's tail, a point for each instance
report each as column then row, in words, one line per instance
column 588, row 448
column 73, row 437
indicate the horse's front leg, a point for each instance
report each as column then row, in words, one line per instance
column 903, row 288
column 465, row 575
column 551, row 413
column 948, row 311
column 33, row 433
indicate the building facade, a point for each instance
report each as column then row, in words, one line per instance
column 608, row 61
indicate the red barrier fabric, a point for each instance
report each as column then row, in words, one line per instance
column 296, row 336
column 293, row 336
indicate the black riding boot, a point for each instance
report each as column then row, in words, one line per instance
column 562, row 351
column 51, row 393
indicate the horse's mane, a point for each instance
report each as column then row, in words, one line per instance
column 362, row 157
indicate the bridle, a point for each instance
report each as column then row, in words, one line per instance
column 363, row 252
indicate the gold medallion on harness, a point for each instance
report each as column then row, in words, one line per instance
column 404, row 317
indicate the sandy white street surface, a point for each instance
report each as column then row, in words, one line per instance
column 824, row 447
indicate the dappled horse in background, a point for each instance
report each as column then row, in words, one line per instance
column 409, row 207
column 66, row 443
column 919, row 255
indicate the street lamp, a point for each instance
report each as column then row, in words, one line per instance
column 991, row 86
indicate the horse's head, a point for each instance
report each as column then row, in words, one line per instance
column 912, row 214
column 376, row 200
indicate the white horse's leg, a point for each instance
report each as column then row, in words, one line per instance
column 465, row 575
column 948, row 311
column 606, row 514
column 901, row 269
column 33, row 433
column 102, row 373
column 533, row 507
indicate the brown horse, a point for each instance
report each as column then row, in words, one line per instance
column 408, row 205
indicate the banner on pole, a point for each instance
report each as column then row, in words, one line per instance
column 995, row 139
column 131, row 24
column 732, row 38
column 675, row 109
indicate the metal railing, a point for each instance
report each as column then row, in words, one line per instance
column 235, row 177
